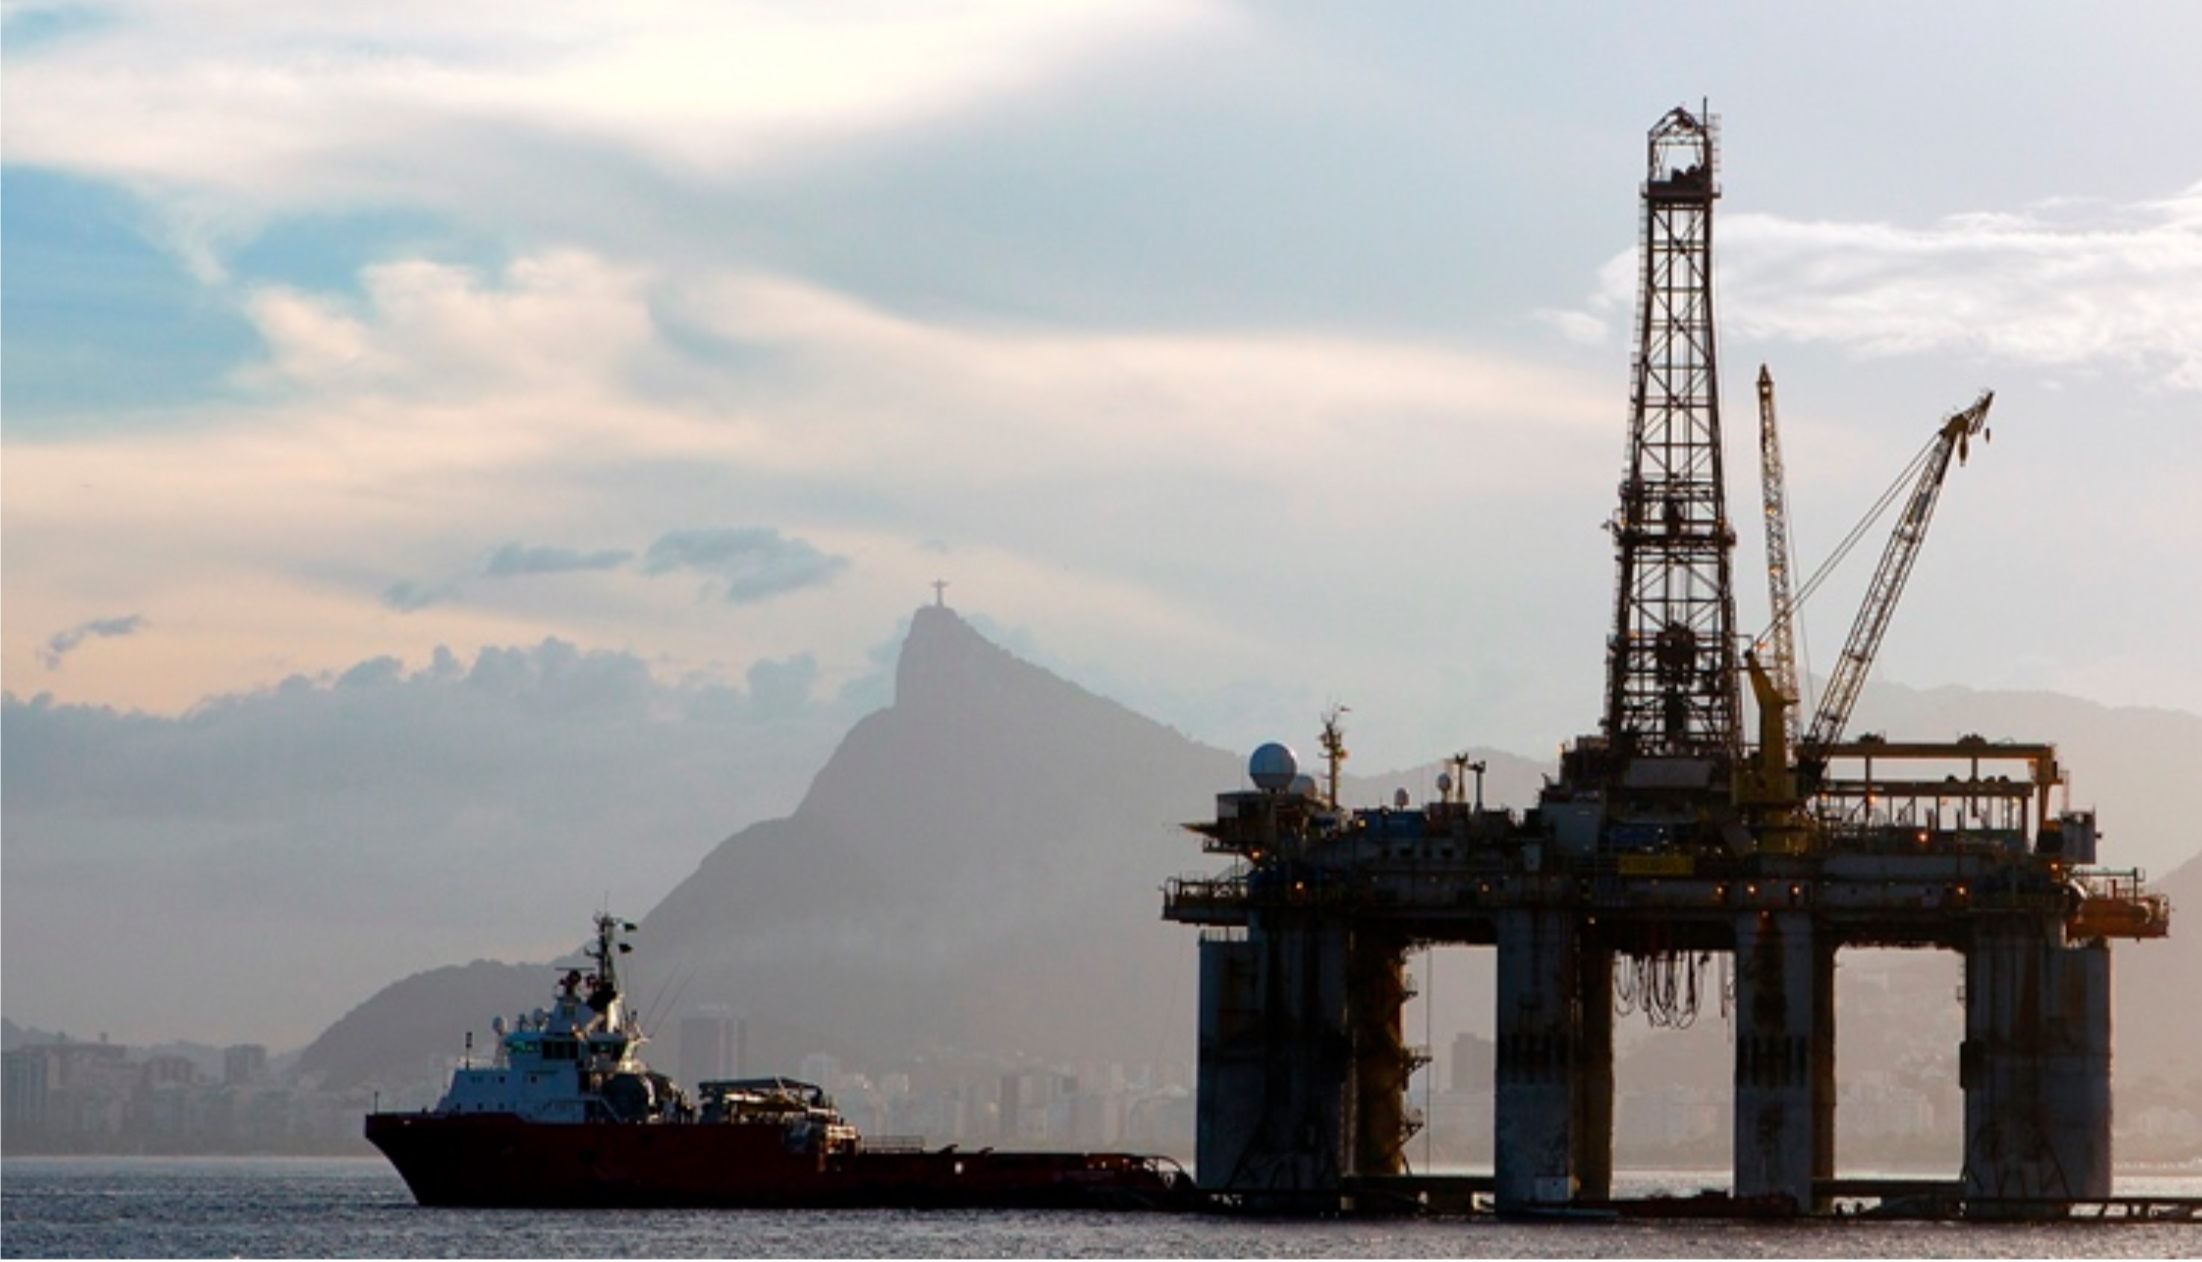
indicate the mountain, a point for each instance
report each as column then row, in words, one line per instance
column 2156, row 1028
column 404, row 1032
column 978, row 866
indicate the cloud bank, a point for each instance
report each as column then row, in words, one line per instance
column 373, row 820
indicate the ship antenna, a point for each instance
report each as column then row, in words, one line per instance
column 1334, row 747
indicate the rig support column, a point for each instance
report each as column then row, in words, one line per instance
column 1593, row 1075
column 1376, row 993
column 2035, row 1066
column 1555, row 1071
column 1823, row 1065
column 1784, row 1062
column 1274, row 1061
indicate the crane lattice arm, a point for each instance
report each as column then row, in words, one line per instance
column 1781, row 635
column 1888, row 580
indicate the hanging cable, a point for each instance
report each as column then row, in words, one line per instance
column 1850, row 541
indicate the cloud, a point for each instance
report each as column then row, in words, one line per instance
column 753, row 562
column 407, row 596
column 63, row 643
column 274, row 105
column 782, row 688
column 513, row 560
column 2069, row 284
column 882, row 391
column 1579, row 327
column 559, row 323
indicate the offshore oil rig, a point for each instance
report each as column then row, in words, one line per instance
column 1666, row 838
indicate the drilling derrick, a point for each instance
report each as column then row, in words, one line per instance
column 1671, row 685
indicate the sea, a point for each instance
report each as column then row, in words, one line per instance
column 358, row 1208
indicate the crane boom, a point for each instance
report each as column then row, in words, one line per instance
column 1781, row 634
column 1888, row 580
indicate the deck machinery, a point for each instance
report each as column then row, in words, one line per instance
column 1666, row 837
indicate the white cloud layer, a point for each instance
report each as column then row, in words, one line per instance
column 2074, row 286
column 294, row 105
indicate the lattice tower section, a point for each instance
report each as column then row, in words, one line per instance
column 1671, row 666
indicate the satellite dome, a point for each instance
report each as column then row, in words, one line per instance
column 1273, row 767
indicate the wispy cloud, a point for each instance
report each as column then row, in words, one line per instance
column 407, row 596
column 63, row 643
column 2071, row 284
column 750, row 563
column 513, row 560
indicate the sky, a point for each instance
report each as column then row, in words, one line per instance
column 1234, row 361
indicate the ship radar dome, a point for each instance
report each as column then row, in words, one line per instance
column 1273, row 767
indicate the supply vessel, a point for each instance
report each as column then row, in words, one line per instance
column 568, row 1114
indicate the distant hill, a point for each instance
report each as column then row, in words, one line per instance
column 406, row 1030
column 2130, row 763
column 2156, row 1024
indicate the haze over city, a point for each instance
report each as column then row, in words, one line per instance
column 460, row 466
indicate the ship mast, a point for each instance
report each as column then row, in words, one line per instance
column 604, row 991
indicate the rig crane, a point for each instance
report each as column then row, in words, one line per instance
column 1872, row 623
column 1781, row 634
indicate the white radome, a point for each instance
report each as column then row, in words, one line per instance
column 1273, row 767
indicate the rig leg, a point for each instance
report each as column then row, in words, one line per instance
column 1376, row 993
column 2035, row 1067
column 1275, row 1058
column 1593, row 1074
column 1784, row 1064
column 1555, row 1067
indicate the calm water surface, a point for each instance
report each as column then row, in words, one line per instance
column 358, row 1208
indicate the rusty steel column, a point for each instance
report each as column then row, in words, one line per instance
column 1778, row 1084
column 2035, row 1068
column 1376, row 993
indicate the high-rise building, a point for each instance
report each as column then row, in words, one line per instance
column 709, row 1046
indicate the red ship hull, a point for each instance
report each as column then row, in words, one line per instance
column 489, row 1159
